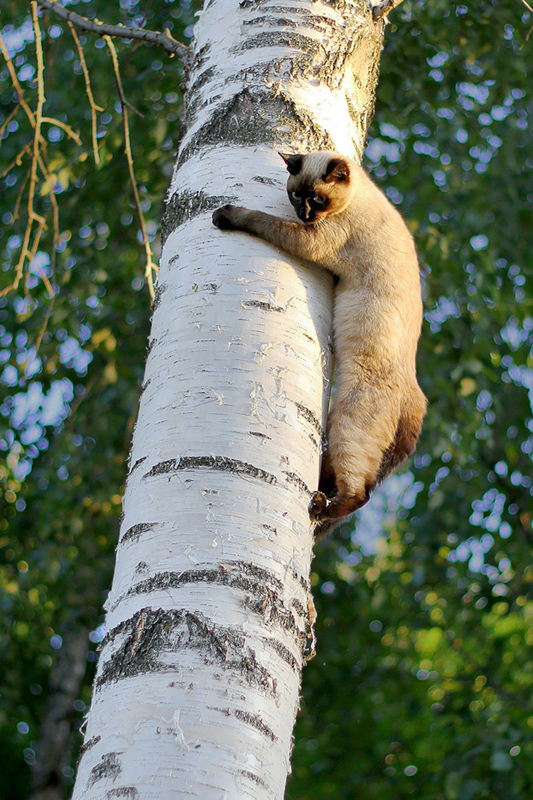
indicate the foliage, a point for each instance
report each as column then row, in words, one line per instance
column 422, row 683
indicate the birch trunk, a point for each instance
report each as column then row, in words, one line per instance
column 197, row 686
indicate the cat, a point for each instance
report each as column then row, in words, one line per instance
column 351, row 229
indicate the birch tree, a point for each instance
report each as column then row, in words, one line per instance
column 208, row 619
column 448, row 144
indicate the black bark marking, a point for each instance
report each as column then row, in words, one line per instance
column 281, row 38
column 153, row 634
column 160, row 289
column 262, row 589
column 292, row 477
column 202, row 79
column 125, row 791
column 138, row 463
column 299, row 607
column 263, row 305
column 212, row 288
column 328, row 60
column 323, row 24
column 284, row 11
column 250, row 719
column 136, row 530
column 260, row 435
column 313, row 419
column 110, row 767
column 242, row 121
column 88, row 744
column 219, row 463
column 201, row 57
column 184, row 206
column 253, row 777
column 269, row 181
column 271, row 608
column 220, row 576
column 284, row 653
column 270, row 528
column 256, row 722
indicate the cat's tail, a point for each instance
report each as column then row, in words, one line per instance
column 408, row 430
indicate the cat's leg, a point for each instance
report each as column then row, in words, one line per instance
column 311, row 242
column 361, row 429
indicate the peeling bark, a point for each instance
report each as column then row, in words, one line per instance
column 210, row 617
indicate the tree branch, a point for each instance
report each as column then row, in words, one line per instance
column 94, row 107
column 165, row 39
column 380, row 10
column 151, row 267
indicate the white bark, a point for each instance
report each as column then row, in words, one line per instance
column 197, row 686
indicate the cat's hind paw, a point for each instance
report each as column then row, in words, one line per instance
column 318, row 503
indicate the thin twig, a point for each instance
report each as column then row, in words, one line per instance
column 20, row 263
column 55, row 212
column 15, row 81
column 87, row 389
column 33, row 251
column 92, row 104
column 8, row 120
column 22, row 102
column 45, row 324
column 38, row 149
column 150, row 265
column 530, row 31
column 31, row 255
column 38, row 113
column 68, row 130
column 19, row 197
column 382, row 9
column 16, row 161
column 36, row 124
column 47, row 283
column 165, row 39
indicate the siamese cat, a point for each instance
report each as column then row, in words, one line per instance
column 348, row 226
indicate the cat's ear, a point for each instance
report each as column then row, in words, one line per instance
column 336, row 171
column 293, row 162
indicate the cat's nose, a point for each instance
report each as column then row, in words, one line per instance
column 305, row 211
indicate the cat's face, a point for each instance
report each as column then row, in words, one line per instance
column 319, row 185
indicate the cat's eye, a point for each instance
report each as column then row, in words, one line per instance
column 320, row 201
column 296, row 195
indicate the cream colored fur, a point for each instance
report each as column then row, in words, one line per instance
column 361, row 238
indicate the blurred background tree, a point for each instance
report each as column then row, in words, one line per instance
column 422, row 682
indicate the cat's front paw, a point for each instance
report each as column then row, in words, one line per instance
column 226, row 218
column 318, row 504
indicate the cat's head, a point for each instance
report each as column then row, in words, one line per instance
column 319, row 184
